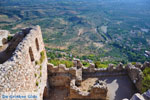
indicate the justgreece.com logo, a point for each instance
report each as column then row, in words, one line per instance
column 19, row 96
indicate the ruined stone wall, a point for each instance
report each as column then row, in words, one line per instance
column 60, row 76
column 110, row 71
column 26, row 70
column 136, row 75
column 97, row 92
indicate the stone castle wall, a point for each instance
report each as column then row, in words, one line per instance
column 97, row 92
column 135, row 73
column 110, row 71
column 60, row 76
column 26, row 69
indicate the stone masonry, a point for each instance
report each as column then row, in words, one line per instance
column 21, row 72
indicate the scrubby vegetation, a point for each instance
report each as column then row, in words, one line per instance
column 9, row 38
column 42, row 54
column 37, row 83
column 85, row 64
column 98, row 64
column 56, row 62
column 146, row 80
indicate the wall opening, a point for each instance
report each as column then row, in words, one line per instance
column 37, row 44
column 31, row 54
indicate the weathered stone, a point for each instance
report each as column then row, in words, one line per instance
column 91, row 67
column 98, row 91
column 146, row 64
column 146, row 95
column 137, row 96
column 120, row 67
column 110, row 67
column 62, row 66
column 75, row 63
column 136, row 75
column 79, row 64
column 3, row 37
column 138, row 65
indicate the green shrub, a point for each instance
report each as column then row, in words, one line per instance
column 37, row 83
column 146, row 80
column 133, row 63
column 66, row 62
column 40, row 67
column 9, row 38
column 35, row 75
column 36, row 63
column 98, row 64
column 40, row 74
column 42, row 57
column 86, row 64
